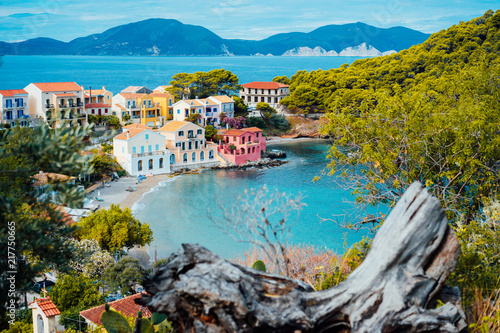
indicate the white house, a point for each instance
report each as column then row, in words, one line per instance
column 44, row 313
column 127, row 104
column 14, row 108
column 137, row 90
column 209, row 108
column 141, row 152
column 268, row 92
column 56, row 102
column 187, row 145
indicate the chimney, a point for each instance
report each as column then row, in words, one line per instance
column 128, row 135
column 103, row 88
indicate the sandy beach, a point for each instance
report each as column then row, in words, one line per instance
column 116, row 193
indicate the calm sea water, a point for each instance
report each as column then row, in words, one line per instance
column 116, row 73
column 177, row 210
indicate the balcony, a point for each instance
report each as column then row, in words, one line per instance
column 192, row 136
column 49, row 106
column 149, row 153
column 150, row 116
column 79, row 104
column 136, row 116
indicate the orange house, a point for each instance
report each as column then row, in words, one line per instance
column 241, row 145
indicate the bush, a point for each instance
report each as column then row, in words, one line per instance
column 279, row 122
column 256, row 122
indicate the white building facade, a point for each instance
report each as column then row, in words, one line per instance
column 57, row 102
column 267, row 92
column 141, row 152
column 188, row 146
column 209, row 109
column 14, row 108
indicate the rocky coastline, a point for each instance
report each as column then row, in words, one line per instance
column 259, row 164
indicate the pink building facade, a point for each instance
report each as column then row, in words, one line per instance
column 240, row 146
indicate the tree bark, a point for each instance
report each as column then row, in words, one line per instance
column 393, row 290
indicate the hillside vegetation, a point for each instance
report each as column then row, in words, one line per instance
column 445, row 52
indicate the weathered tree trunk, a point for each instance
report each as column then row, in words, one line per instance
column 393, row 290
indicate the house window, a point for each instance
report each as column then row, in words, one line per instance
column 196, row 145
column 202, row 156
column 150, row 149
column 123, row 150
column 142, row 149
column 190, row 145
column 178, row 144
column 134, row 150
column 198, row 131
column 139, row 165
column 193, row 157
column 99, row 111
column 243, row 140
column 161, row 163
column 215, row 109
column 178, row 111
column 150, row 164
column 181, row 133
column 93, row 111
column 185, row 158
column 169, row 102
column 211, row 155
column 8, row 103
column 147, row 136
column 172, row 159
column 157, row 147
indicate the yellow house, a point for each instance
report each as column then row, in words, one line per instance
column 156, row 108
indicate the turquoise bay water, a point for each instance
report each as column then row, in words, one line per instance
column 177, row 210
column 116, row 73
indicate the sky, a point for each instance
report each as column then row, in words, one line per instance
column 247, row 19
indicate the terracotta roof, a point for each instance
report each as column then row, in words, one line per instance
column 204, row 101
column 223, row 99
column 130, row 134
column 265, row 85
column 120, row 106
column 66, row 95
column 195, row 102
column 159, row 94
column 97, row 105
column 235, row 132
column 173, row 126
column 126, row 306
column 67, row 219
column 129, row 95
column 137, row 125
column 162, row 88
column 96, row 92
column 12, row 92
column 58, row 86
column 45, row 178
column 253, row 129
column 47, row 306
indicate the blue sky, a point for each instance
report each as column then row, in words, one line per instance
column 248, row 19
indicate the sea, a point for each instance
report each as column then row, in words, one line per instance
column 178, row 209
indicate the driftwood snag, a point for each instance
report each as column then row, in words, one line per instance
column 393, row 290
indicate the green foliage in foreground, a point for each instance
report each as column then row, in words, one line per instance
column 76, row 291
column 38, row 231
column 114, row 322
column 115, row 229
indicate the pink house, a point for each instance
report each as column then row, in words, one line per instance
column 239, row 146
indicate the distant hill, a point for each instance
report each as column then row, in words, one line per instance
column 166, row 37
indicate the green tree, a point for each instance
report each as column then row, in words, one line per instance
column 240, row 108
column 76, row 291
column 210, row 131
column 126, row 117
column 115, row 229
column 38, row 229
column 124, row 274
column 181, row 85
column 441, row 133
column 266, row 111
column 282, row 79
column 303, row 97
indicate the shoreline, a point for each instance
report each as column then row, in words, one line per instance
column 272, row 140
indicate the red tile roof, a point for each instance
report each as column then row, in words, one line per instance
column 47, row 306
column 126, row 306
column 129, row 134
column 58, row 86
column 265, row 85
column 97, row 105
column 12, row 92
column 137, row 125
column 235, row 132
column 253, row 129
column 129, row 95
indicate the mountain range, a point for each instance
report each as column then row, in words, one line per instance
column 167, row 37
